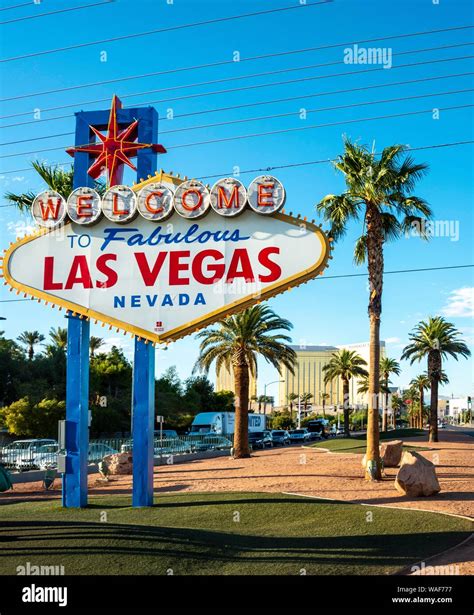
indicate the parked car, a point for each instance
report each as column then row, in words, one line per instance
column 280, row 436
column 47, row 456
column 336, row 431
column 207, row 442
column 20, row 455
column 260, row 439
column 300, row 435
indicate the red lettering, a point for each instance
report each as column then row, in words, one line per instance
column 240, row 258
column 265, row 191
column 153, row 210
column 149, row 275
column 48, row 283
column 79, row 273
column 273, row 268
column 221, row 197
column 50, row 209
column 84, row 206
column 191, row 207
column 115, row 207
column 176, row 267
column 217, row 268
column 111, row 275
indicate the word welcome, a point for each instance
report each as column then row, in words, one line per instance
column 157, row 201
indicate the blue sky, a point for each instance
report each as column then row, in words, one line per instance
column 332, row 311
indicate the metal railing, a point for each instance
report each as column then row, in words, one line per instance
column 22, row 456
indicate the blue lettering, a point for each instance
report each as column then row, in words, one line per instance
column 167, row 300
column 192, row 235
column 119, row 301
column 199, row 299
column 151, row 300
column 183, row 299
column 135, row 301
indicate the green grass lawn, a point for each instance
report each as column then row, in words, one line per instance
column 221, row 533
column 358, row 444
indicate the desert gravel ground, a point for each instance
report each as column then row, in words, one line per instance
column 312, row 472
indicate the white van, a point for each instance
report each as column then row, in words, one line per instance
column 223, row 423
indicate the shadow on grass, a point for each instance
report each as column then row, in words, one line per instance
column 27, row 539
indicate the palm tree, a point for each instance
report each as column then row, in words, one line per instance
column 236, row 342
column 30, row 339
column 291, row 397
column 55, row 178
column 324, row 396
column 421, row 383
column 387, row 368
column 378, row 193
column 344, row 364
column 305, row 400
column 436, row 339
column 94, row 344
column 58, row 338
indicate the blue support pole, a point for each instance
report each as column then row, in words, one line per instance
column 143, row 415
column 74, row 493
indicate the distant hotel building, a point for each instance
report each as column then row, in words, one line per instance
column 225, row 382
column 309, row 377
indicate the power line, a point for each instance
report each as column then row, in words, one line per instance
column 225, row 62
column 328, row 277
column 258, row 118
column 168, row 29
column 15, row 6
column 274, row 167
column 252, row 87
column 264, row 102
column 74, row 8
column 236, row 78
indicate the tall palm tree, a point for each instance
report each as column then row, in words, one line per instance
column 55, row 178
column 235, row 343
column 422, row 384
column 305, row 400
column 94, row 344
column 378, row 194
column 435, row 339
column 345, row 364
column 324, row 396
column 387, row 368
column 30, row 339
column 58, row 338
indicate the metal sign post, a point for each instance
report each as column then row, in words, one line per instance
column 143, row 422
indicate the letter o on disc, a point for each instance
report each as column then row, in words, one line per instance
column 191, row 199
column 49, row 209
column 84, row 206
column 155, row 202
column 266, row 194
column 119, row 204
column 228, row 197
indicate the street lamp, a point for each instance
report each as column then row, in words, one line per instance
column 265, row 394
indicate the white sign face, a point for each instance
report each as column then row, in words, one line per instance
column 163, row 281
column 48, row 209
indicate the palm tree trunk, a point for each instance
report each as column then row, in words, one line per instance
column 324, row 408
column 373, row 469
column 345, row 395
column 385, row 410
column 31, row 352
column 422, row 403
column 241, row 431
column 434, row 372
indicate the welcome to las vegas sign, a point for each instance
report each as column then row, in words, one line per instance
column 166, row 256
column 163, row 275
